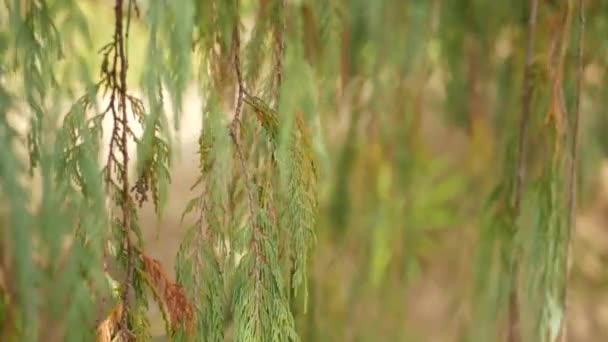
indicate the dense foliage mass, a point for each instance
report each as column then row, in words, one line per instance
column 342, row 144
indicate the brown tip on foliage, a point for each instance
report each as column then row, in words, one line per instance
column 172, row 295
column 109, row 327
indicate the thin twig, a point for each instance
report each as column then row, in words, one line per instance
column 572, row 188
column 234, row 135
column 279, row 49
column 236, row 120
column 126, row 217
column 514, row 333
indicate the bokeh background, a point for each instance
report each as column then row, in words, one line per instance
column 413, row 112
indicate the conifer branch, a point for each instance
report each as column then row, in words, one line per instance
column 171, row 297
column 572, row 188
column 514, row 332
column 577, row 114
column 126, row 224
column 236, row 120
column 114, row 80
column 525, row 111
column 278, row 35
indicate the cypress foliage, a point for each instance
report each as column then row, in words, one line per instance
column 280, row 242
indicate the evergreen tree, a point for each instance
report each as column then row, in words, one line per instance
column 321, row 196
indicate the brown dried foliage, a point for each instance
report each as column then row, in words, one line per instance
column 172, row 296
column 109, row 327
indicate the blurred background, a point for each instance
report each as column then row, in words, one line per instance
column 414, row 102
column 412, row 143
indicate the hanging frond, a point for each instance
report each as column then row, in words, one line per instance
column 260, row 306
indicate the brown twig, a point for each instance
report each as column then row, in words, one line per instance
column 119, row 113
column 279, row 49
column 236, row 120
column 513, row 332
column 557, row 112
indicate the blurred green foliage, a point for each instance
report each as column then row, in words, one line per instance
column 375, row 157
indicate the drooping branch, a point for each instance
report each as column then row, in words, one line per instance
column 513, row 328
column 572, row 188
column 114, row 79
column 577, row 114
column 119, row 113
column 278, row 35
column 126, row 224
column 236, row 120
column 525, row 106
